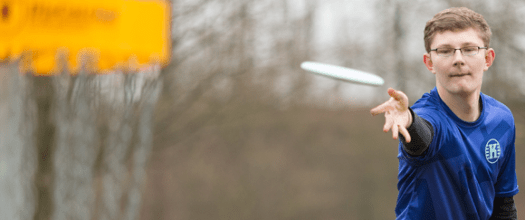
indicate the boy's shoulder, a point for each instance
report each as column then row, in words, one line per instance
column 494, row 107
column 427, row 102
column 492, row 102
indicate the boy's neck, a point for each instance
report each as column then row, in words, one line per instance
column 466, row 106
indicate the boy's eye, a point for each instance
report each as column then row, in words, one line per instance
column 445, row 50
column 469, row 49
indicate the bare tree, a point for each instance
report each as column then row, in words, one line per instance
column 17, row 144
column 77, row 146
column 103, row 143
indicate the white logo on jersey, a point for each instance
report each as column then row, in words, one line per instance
column 492, row 151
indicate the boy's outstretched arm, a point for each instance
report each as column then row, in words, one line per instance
column 416, row 132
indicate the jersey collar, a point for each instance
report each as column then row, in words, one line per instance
column 434, row 93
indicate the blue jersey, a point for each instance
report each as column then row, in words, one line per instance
column 466, row 166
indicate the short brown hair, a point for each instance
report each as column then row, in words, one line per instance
column 456, row 19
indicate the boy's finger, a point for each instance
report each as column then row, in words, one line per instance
column 395, row 131
column 405, row 134
column 397, row 95
column 382, row 108
column 388, row 124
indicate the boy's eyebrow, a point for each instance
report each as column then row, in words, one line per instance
column 468, row 44
column 462, row 45
column 444, row 45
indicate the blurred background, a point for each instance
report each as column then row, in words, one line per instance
column 233, row 128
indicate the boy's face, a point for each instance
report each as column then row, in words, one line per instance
column 459, row 74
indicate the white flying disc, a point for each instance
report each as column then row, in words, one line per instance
column 343, row 73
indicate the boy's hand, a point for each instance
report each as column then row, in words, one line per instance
column 397, row 115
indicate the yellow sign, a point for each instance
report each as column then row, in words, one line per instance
column 112, row 34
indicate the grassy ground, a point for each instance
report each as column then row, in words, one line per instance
column 263, row 163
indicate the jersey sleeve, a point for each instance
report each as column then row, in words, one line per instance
column 421, row 132
column 438, row 135
column 507, row 183
column 504, row 208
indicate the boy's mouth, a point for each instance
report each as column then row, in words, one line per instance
column 459, row 74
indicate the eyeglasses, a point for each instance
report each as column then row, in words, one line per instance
column 466, row 51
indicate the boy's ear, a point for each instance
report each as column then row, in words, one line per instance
column 428, row 63
column 490, row 55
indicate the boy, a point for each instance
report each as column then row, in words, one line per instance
column 456, row 151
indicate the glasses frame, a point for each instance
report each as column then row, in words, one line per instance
column 460, row 49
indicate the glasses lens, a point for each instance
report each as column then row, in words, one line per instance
column 469, row 51
column 445, row 52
